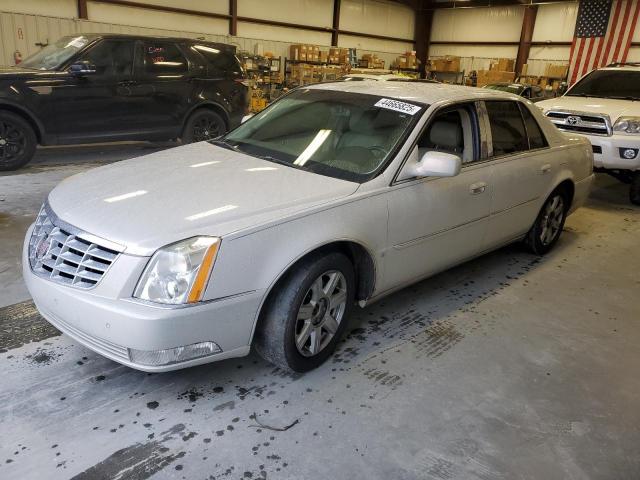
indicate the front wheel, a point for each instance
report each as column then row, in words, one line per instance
column 307, row 314
column 634, row 189
column 17, row 141
column 548, row 226
column 203, row 125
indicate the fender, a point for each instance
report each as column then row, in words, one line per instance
column 41, row 134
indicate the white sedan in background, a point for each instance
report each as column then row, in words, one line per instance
column 334, row 196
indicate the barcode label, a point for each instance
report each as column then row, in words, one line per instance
column 397, row 106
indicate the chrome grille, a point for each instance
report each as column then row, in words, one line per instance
column 580, row 122
column 65, row 257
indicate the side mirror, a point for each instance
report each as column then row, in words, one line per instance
column 82, row 68
column 432, row 164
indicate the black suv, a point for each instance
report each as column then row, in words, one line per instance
column 99, row 88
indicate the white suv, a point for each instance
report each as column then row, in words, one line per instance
column 604, row 106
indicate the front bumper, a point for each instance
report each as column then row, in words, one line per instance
column 607, row 151
column 111, row 324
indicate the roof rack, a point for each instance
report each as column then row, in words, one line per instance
column 624, row 64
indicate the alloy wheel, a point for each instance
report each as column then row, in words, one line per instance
column 12, row 142
column 551, row 221
column 320, row 313
column 206, row 128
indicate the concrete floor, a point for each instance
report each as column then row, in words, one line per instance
column 508, row 367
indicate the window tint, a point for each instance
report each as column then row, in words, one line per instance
column 219, row 59
column 112, row 58
column 507, row 128
column 164, row 59
column 536, row 137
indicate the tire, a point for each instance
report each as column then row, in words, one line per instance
column 634, row 189
column 549, row 224
column 203, row 124
column 298, row 313
column 17, row 141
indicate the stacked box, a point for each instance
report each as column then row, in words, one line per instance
column 494, row 76
column 556, row 71
column 447, row 63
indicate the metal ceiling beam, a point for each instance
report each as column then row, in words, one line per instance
column 526, row 36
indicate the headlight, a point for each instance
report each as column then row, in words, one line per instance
column 178, row 273
column 627, row 125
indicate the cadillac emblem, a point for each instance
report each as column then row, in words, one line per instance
column 573, row 120
column 43, row 248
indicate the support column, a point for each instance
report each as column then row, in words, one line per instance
column 233, row 21
column 423, row 23
column 528, row 23
column 82, row 9
column 336, row 23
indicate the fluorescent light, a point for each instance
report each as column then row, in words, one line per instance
column 204, row 164
column 315, row 144
column 125, row 196
column 208, row 213
column 259, row 169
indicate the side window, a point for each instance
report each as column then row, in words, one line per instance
column 219, row 59
column 112, row 58
column 507, row 128
column 452, row 131
column 164, row 59
column 536, row 137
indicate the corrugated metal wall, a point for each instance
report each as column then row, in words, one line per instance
column 25, row 33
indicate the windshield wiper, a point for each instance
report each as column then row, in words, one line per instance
column 269, row 158
column 621, row 97
column 225, row 144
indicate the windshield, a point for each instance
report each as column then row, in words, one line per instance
column 517, row 89
column 54, row 55
column 624, row 84
column 339, row 134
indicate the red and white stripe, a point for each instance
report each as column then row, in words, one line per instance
column 593, row 52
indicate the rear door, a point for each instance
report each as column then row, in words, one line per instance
column 522, row 167
column 162, row 88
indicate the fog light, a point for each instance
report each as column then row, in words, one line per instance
column 629, row 153
column 173, row 355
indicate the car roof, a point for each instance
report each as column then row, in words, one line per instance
column 634, row 67
column 94, row 36
column 428, row 93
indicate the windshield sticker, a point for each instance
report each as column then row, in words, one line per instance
column 77, row 42
column 397, row 106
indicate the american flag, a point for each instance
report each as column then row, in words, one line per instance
column 604, row 30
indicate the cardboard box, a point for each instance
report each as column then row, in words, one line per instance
column 556, row 71
column 494, row 76
column 506, row 65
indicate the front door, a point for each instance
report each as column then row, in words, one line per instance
column 95, row 106
column 437, row 222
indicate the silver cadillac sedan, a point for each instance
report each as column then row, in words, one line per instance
column 334, row 196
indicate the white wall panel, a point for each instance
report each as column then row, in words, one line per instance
column 549, row 53
column 290, row 35
column 58, row 8
column 634, row 54
column 495, row 24
column 377, row 17
column 555, row 22
column 115, row 14
column 305, row 12
column 211, row 6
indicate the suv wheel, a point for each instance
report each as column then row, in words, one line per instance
column 634, row 189
column 203, row 125
column 548, row 226
column 17, row 141
column 307, row 314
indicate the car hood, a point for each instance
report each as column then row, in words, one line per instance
column 198, row 189
column 608, row 106
column 15, row 72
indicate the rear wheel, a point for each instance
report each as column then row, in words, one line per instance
column 17, row 141
column 307, row 314
column 548, row 226
column 203, row 125
column 634, row 189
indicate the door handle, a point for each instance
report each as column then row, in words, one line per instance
column 477, row 188
column 546, row 168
